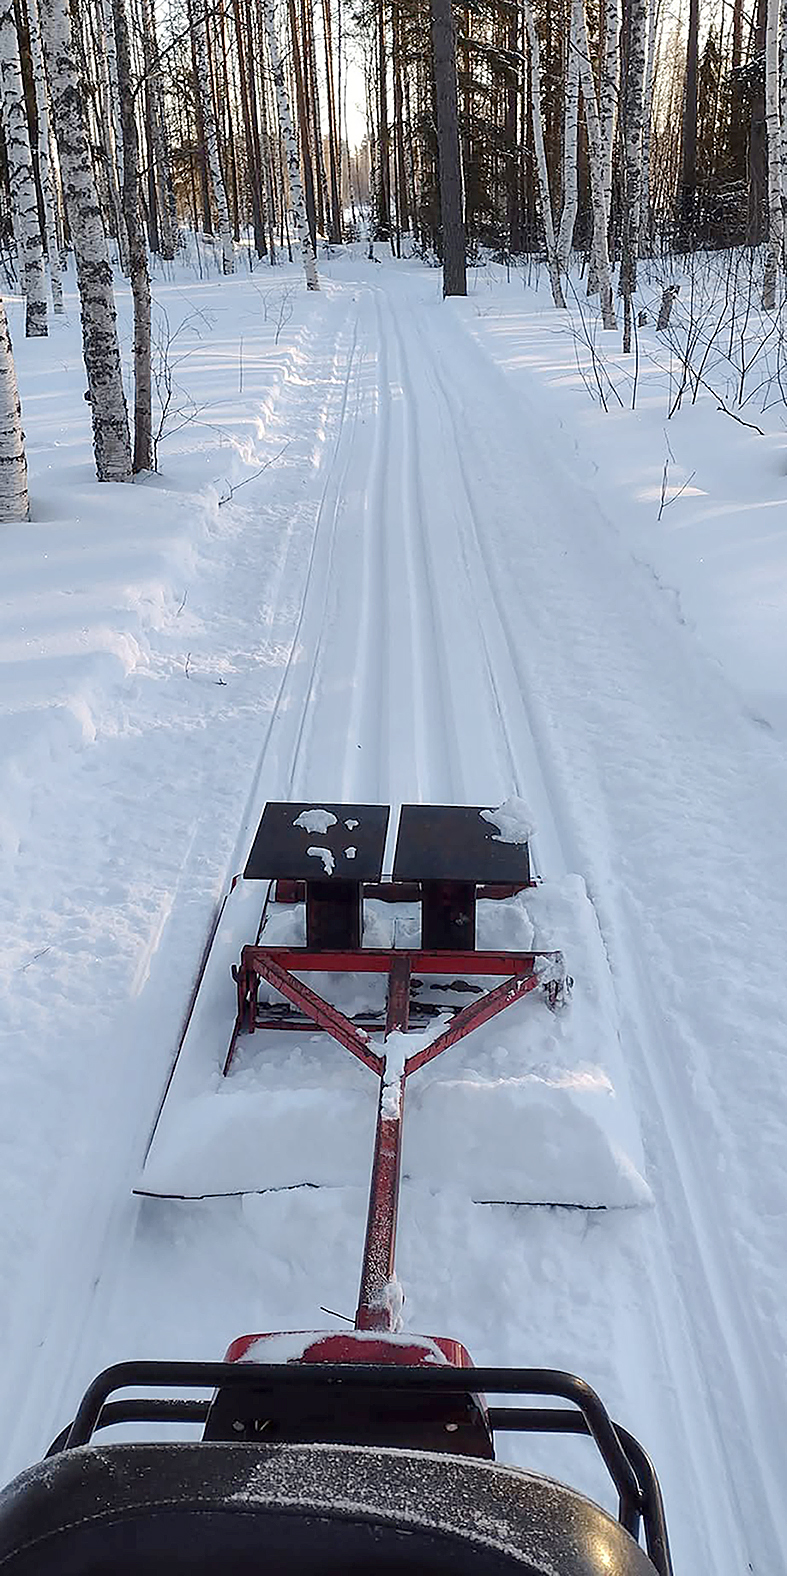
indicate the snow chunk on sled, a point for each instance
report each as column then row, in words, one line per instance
column 528, row 1140
column 238, row 1141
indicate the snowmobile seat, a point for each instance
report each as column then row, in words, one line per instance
column 203, row 1509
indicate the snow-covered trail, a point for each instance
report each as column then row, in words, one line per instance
column 470, row 626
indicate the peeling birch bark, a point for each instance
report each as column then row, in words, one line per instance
column 20, row 175
column 14, row 500
column 596, row 162
column 94, row 273
column 545, row 201
column 774, row 254
column 645, row 227
column 44, row 162
column 632, row 156
column 137, row 250
column 297, row 199
column 568, row 214
column 205, row 90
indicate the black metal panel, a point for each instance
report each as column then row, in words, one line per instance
column 448, row 842
column 280, row 847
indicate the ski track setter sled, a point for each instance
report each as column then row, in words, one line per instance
column 369, row 1450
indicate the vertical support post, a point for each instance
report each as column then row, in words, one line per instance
column 448, row 911
column 376, row 1306
column 333, row 915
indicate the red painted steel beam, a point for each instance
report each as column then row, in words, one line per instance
column 377, row 960
column 288, row 891
column 397, row 1010
column 376, row 1310
column 472, row 1016
column 319, row 1011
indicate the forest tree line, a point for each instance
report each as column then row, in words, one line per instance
column 616, row 128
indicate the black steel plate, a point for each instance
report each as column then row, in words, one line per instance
column 448, row 842
column 280, row 847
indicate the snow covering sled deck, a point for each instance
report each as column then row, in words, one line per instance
column 458, row 950
column 369, row 1450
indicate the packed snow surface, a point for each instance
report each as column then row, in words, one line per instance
column 395, row 553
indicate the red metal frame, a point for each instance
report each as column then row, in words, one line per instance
column 520, row 974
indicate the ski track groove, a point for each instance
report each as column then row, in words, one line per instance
column 71, row 1320
column 439, row 734
column 397, row 578
column 689, row 1199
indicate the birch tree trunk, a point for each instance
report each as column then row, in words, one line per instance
column 541, row 159
column 287, row 129
column 94, row 274
column 154, row 92
column 110, row 131
column 44, row 163
column 636, row 23
column 137, row 252
column 205, row 91
column 783, row 92
column 596, row 162
column 568, row 215
column 645, row 226
column 14, row 501
column 609, row 88
column 774, row 254
column 20, row 175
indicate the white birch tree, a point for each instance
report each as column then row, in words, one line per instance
column 137, row 250
column 545, row 200
column 297, row 199
column 94, row 274
column 109, row 129
column 647, row 122
column 636, row 25
column 568, row 214
column 45, row 172
column 14, row 500
column 205, row 91
column 154, row 87
column 774, row 254
column 20, row 175
column 783, row 92
column 608, row 94
column 596, row 163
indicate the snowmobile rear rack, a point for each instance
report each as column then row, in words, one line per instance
column 269, row 1395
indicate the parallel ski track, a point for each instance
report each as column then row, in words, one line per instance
column 392, row 572
column 70, row 1324
column 729, row 1405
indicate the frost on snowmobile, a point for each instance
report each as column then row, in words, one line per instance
column 371, row 1449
